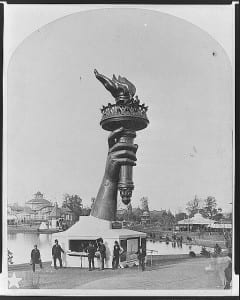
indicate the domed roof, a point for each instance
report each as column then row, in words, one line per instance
column 38, row 199
column 145, row 213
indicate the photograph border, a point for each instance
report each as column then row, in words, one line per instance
column 236, row 135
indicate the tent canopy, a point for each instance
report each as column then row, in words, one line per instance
column 91, row 228
column 43, row 226
column 197, row 219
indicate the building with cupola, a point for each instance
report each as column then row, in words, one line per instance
column 38, row 210
column 38, row 201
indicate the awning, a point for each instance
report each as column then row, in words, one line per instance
column 221, row 226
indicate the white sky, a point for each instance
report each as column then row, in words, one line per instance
column 55, row 142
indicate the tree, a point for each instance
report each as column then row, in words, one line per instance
column 228, row 216
column 164, row 218
column 210, row 209
column 180, row 216
column 144, row 203
column 129, row 212
column 74, row 203
column 136, row 214
column 86, row 211
column 170, row 218
column 156, row 216
column 219, row 215
column 193, row 206
column 122, row 215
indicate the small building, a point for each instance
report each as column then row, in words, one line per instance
column 54, row 217
column 25, row 215
column 75, row 240
column 42, row 212
column 145, row 218
column 12, row 220
column 39, row 208
column 66, row 217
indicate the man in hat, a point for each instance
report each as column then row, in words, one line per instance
column 35, row 258
column 91, row 253
column 117, row 251
column 56, row 254
column 102, row 250
column 141, row 257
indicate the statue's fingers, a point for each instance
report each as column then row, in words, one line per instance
column 124, row 154
column 136, row 147
column 124, row 146
column 125, row 161
column 114, row 135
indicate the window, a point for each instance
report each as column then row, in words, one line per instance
column 132, row 245
column 80, row 245
column 123, row 244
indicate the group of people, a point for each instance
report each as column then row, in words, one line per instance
column 56, row 255
column 93, row 250
column 176, row 240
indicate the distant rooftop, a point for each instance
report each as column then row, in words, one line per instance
column 38, row 199
column 146, row 214
column 56, row 211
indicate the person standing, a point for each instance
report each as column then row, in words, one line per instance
column 35, row 258
column 178, row 242
column 56, row 254
column 141, row 257
column 102, row 250
column 228, row 273
column 167, row 239
column 181, row 241
column 116, row 254
column 217, row 250
column 91, row 253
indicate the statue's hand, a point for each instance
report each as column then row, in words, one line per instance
column 119, row 154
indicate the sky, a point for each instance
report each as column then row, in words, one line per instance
column 54, row 141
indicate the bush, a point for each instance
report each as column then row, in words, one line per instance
column 205, row 253
column 192, row 254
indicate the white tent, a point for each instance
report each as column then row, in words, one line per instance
column 89, row 228
column 43, row 226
